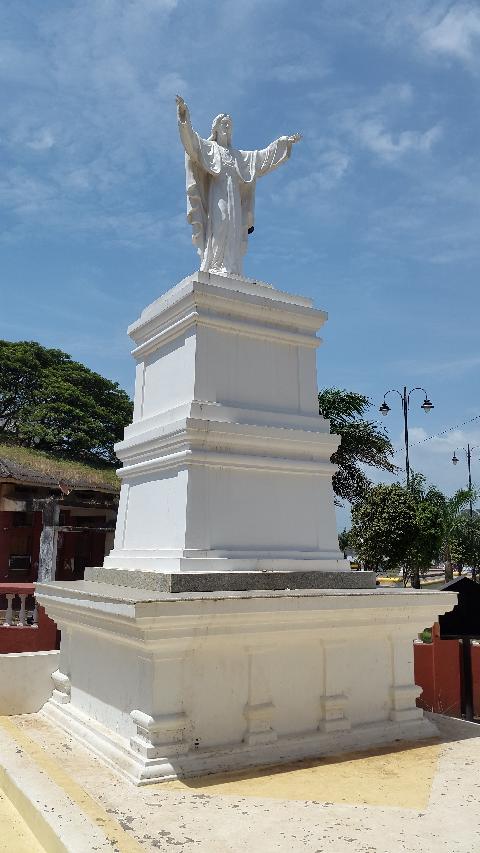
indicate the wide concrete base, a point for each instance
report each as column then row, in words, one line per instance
column 196, row 762
column 164, row 685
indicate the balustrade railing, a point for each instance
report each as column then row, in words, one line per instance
column 24, row 626
column 15, row 613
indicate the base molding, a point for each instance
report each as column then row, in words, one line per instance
column 152, row 562
column 217, row 581
column 141, row 770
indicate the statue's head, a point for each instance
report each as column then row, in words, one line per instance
column 222, row 127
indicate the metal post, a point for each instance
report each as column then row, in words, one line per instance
column 469, row 463
column 405, row 419
column 405, row 398
column 466, row 679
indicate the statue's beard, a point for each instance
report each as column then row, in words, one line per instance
column 225, row 140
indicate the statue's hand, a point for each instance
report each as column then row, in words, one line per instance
column 182, row 108
column 295, row 137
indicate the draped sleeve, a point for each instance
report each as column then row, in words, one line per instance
column 255, row 164
column 202, row 159
column 252, row 165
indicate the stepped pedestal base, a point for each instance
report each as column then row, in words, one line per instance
column 165, row 685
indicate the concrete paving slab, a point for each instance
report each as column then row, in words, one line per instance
column 418, row 798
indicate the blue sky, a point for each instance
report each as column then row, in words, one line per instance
column 376, row 216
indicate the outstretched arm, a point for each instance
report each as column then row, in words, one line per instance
column 182, row 109
column 275, row 154
column 187, row 134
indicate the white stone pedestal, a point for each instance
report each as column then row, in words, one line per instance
column 179, row 685
column 226, row 466
column 227, row 475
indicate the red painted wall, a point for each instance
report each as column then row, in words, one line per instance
column 9, row 535
column 19, row 638
column 437, row 671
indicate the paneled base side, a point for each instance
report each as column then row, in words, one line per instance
column 117, row 753
column 162, row 685
column 177, row 582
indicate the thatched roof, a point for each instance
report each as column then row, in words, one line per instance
column 32, row 467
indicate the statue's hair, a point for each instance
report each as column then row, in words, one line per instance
column 216, row 121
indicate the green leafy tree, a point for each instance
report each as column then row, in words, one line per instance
column 394, row 527
column 384, row 524
column 53, row 403
column 465, row 546
column 363, row 442
column 425, row 546
column 453, row 510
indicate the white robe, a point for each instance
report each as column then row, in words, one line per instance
column 221, row 196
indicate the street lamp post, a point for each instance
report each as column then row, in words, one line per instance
column 427, row 406
column 455, row 460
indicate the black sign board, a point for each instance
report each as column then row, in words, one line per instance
column 463, row 623
column 464, row 619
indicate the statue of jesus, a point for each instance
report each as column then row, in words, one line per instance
column 221, row 189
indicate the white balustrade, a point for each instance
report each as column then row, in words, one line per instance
column 22, row 613
column 17, row 617
column 9, row 613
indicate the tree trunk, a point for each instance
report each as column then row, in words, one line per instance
column 416, row 577
column 448, row 569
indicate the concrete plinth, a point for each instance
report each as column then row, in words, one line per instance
column 167, row 685
column 226, row 466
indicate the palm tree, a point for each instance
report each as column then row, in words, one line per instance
column 364, row 443
column 452, row 511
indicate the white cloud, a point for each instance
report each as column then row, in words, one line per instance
column 297, row 72
column 19, row 64
column 23, row 193
column 42, row 141
column 418, row 223
column 370, row 122
column 372, row 134
column 96, row 81
column 332, row 165
column 453, row 368
column 432, row 457
column 455, row 32
column 429, row 28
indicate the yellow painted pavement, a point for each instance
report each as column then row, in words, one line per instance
column 88, row 805
column 399, row 776
column 15, row 836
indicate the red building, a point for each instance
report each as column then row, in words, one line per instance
column 55, row 518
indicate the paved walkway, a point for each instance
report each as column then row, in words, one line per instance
column 14, row 832
column 417, row 798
